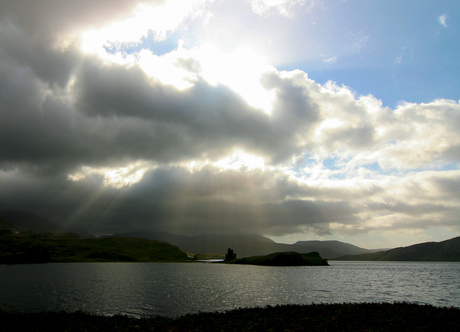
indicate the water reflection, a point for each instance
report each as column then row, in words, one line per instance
column 172, row 289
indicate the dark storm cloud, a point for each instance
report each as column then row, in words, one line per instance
column 117, row 113
column 211, row 118
column 49, row 64
column 57, row 18
column 66, row 117
column 173, row 199
column 35, row 34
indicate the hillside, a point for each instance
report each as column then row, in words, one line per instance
column 248, row 245
column 448, row 250
column 284, row 259
column 70, row 247
column 244, row 245
column 334, row 246
column 29, row 223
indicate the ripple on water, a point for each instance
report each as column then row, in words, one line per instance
column 146, row 289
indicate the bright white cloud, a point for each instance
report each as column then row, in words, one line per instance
column 158, row 18
column 283, row 7
column 442, row 20
column 118, row 177
column 241, row 70
column 240, row 160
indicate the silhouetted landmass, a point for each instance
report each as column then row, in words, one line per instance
column 70, row 247
column 313, row 317
column 248, row 245
column 448, row 250
column 244, row 244
column 207, row 256
column 284, row 259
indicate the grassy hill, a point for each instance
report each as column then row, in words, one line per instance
column 448, row 250
column 70, row 247
column 284, row 259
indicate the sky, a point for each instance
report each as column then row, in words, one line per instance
column 293, row 119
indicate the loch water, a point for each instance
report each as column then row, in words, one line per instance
column 174, row 289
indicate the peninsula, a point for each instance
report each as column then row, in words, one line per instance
column 283, row 259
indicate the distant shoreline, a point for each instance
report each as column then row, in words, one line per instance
column 314, row 317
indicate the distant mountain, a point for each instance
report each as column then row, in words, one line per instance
column 244, row 245
column 247, row 245
column 448, row 250
column 24, row 222
column 335, row 246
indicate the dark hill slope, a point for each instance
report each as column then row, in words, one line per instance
column 70, row 247
column 29, row 223
column 333, row 246
column 448, row 250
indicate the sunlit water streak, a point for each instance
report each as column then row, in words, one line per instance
column 173, row 289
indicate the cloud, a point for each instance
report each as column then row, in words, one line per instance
column 148, row 18
column 171, row 198
column 330, row 60
column 442, row 20
column 61, row 18
column 111, row 146
column 111, row 117
column 283, row 7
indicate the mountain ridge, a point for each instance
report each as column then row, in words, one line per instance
column 245, row 245
column 447, row 250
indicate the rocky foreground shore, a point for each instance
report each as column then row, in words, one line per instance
column 315, row 317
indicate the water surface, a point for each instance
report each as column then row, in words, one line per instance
column 173, row 289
